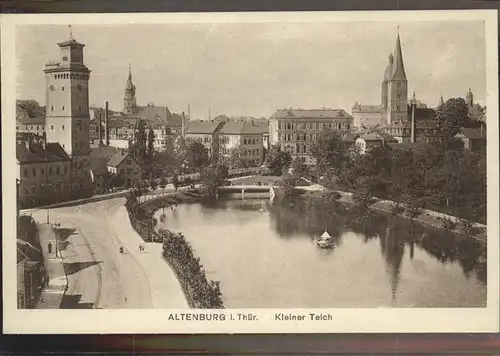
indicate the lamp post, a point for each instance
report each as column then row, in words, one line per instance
column 56, row 232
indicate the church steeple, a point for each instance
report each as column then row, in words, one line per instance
column 441, row 100
column 130, row 103
column 398, row 72
column 469, row 98
column 395, row 88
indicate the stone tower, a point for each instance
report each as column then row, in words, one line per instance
column 129, row 101
column 67, row 109
column 469, row 99
column 395, row 88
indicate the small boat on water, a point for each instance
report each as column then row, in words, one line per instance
column 325, row 240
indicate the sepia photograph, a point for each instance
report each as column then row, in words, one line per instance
column 285, row 164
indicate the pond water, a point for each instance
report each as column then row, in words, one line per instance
column 265, row 257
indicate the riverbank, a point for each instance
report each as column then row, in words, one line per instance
column 427, row 218
column 177, row 252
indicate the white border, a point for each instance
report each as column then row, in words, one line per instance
column 154, row 321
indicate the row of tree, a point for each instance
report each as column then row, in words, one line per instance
column 429, row 176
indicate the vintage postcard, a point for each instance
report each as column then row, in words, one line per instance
column 250, row 172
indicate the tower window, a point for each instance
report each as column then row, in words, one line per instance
column 52, row 127
column 63, row 108
column 63, row 127
column 62, row 88
column 52, row 108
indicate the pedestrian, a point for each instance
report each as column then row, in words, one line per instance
column 49, row 246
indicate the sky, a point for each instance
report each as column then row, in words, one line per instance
column 253, row 69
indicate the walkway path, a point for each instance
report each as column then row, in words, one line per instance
column 52, row 295
column 165, row 288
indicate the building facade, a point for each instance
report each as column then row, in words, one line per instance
column 367, row 116
column 296, row 130
column 123, row 165
column 43, row 173
column 67, row 110
column 242, row 139
column 395, row 88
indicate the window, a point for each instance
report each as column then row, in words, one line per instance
column 129, row 161
column 122, row 171
column 50, row 171
column 34, row 172
column 397, row 107
column 62, row 88
column 32, row 127
column 63, row 127
column 58, row 171
column 63, row 108
column 52, row 108
column 398, row 95
column 79, row 109
column 42, row 171
column 65, row 58
column 399, row 85
column 26, row 172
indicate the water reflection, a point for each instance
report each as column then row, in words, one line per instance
column 265, row 256
column 311, row 217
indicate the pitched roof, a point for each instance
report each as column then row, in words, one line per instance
column 98, row 165
column 28, row 250
column 153, row 113
column 118, row 158
column 477, row 112
column 103, row 152
column 366, row 108
column 398, row 69
column 371, row 137
column 53, row 152
column 311, row 114
column 474, row 133
column 242, row 128
column 202, row 127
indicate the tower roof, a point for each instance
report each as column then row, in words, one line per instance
column 398, row 72
column 130, row 85
column 71, row 41
column 469, row 93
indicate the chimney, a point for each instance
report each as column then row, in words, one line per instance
column 183, row 125
column 413, row 123
column 99, row 129
column 106, row 123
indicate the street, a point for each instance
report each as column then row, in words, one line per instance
column 98, row 275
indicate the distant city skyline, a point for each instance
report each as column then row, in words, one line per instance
column 253, row 69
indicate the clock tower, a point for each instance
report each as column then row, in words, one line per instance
column 67, row 109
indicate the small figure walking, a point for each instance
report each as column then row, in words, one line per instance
column 49, row 246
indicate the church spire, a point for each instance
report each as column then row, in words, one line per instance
column 441, row 100
column 398, row 72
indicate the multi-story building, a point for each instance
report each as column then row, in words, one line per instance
column 123, row 165
column 67, row 110
column 43, row 173
column 367, row 116
column 204, row 132
column 296, row 130
column 245, row 137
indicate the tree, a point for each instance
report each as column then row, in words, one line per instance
column 197, row 155
column 276, row 160
column 151, row 147
column 153, row 184
column 331, row 151
column 116, row 181
column 234, row 159
column 175, row 182
column 213, row 177
column 299, row 167
column 163, row 183
column 450, row 117
column 289, row 183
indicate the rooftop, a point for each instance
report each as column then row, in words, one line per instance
column 202, row 127
column 474, row 133
column 35, row 152
column 311, row 114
